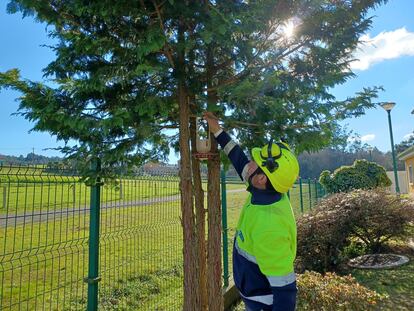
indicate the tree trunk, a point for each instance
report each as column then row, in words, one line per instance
column 214, row 234
column 191, row 301
column 215, row 297
column 200, row 221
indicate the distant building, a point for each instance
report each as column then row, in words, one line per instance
column 408, row 157
column 158, row 169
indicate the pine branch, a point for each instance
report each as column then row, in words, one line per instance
column 166, row 49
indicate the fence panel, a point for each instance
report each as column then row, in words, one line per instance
column 44, row 225
column 43, row 240
column 141, row 245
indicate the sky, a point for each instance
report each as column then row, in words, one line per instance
column 386, row 59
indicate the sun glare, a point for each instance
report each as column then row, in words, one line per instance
column 288, row 29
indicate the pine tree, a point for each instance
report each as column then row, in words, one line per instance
column 127, row 71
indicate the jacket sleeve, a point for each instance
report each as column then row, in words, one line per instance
column 235, row 153
column 275, row 260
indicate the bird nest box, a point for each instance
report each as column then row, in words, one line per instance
column 203, row 145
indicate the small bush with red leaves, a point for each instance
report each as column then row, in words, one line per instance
column 332, row 292
column 322, row 234
column 374, row 217
column 371, row 216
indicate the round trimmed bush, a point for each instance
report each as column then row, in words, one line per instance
column 361, row 175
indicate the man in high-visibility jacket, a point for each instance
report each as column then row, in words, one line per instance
column 265, row 243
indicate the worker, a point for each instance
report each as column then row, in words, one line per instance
column 265, row 243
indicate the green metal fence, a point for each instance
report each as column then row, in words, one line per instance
column 63, row 242
column 46, row 220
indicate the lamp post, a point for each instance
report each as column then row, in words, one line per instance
column 388, row 107
column 370, row 149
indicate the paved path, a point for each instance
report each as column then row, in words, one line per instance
column 13, row 219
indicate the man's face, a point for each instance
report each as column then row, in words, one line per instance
column 258, row 180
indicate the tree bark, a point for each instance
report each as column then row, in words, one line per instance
column 200, row 221
column 214, row 269
column 191, row 301
column 214, row 234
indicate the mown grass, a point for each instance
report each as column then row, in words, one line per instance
column 139, row 292
column 397, row 283
column 42, row 264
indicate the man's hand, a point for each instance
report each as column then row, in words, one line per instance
column 212, row 121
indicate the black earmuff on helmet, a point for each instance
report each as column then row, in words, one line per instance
column 271, row 163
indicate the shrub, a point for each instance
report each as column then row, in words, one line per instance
column 354, row 249
column 324, row 235
column 375, row 217
column 333, row 292
column 361, row 175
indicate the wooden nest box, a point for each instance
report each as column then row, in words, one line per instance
column 203, row 145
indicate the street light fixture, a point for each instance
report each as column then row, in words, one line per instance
column 388, row 107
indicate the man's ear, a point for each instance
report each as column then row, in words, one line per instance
column 262, row 179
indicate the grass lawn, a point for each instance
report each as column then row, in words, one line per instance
column 397, row 283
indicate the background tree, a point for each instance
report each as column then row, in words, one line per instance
column 312, row 164
column 126, row 72
column 405, row 144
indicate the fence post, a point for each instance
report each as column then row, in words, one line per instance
column 93, row 277
column 310, row 193
column 301, row 195
column 74, row 194
column 121, row 194
column 316, row 191
column 4, row 196
column 225, row 229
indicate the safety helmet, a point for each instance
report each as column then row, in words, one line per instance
column 279, row 164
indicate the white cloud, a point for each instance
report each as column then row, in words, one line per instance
column 408, row 136
column 368, row 137
column 386, row 45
